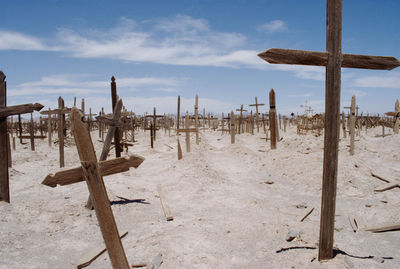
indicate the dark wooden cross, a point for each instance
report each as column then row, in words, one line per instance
column 272, row 118
column 333, row 60
column 241, row 117
column 92, row 172
column 6, row 111
column 155, row 127
column 257, row 118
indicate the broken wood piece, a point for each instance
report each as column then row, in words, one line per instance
column 93, row 253
column 379, row 177
column 353, row 224
column 179, row 151
column 385, row 228
column 387, row 187
column 108, row 167
column 167, row 211
column 308, row 214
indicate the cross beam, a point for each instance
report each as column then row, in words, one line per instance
column 316, row 58
column 334, row 60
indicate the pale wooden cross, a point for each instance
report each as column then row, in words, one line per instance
column 257, row 118
column 6, row 111
column 396, row 116
column 93, row 173
column 187, row 130
column 334, row 60
column 241, row 117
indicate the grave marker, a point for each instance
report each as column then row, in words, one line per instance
column 334, row 60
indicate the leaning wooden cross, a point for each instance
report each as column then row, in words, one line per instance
column 93, row 173
column 6, row 111
column 333, row 59
column 396, row 115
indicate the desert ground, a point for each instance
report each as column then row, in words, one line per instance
column 233, row 204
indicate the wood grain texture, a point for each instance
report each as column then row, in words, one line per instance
column 19, row 109
column 97, row 191
column 316, row 58
column 107, row 168
column 167, row 211
column 332, row 127
column 4, row 178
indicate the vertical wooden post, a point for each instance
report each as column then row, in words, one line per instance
column 49, row 131
column 19, row 128
column 187, row 132
column 196, row 115
column 83, row 106
column 272, row 118
column 396, row 118
column 344, row 125
column 331, row 138
column 98, row 192
column 233, row 129
column 153, row 129
column 178, row 116
column 9, row 150
column 61, row 130
column 151, row 135
column 4, row 179
column 31, row 131
column 352, row 124
column 114, row 100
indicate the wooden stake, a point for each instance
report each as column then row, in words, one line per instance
column 60, row 130
column 272, row 118
column 196, row 114
column 187, row 133
column 167, row 211
column 352, row 124
column 233, row 129
column 396, row 119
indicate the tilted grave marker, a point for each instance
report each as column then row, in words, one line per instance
column 6, row 111
column 92, row 171
column 396, row 115
column 334, row 60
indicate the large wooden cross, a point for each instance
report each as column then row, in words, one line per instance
column 334, row 60
column 6, row 111
column 93, row 173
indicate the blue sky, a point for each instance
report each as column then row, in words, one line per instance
column 158, row 50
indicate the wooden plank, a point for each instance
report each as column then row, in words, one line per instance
column 396, row 120
column 187, row 133
column 178, row 114
column 93, row 254
column 19, row 109
column 316, row 58
column 196, row 115
column 186, row 130
column 4, row 177
column 233, row 130
column 352, row 124
column 32, row 135
column 167, row 211
column 332, row 127
column 179, row 150
column 272, row 118
column 385, row 228
column 387, row 187
column 107, row 168
column 97, row 191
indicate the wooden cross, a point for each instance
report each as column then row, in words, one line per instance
column 232, row 127
column 155, row 116
column 257, row 105
column 334, row 60
column 93, row 173
column 396, row 115
column 6, row 111
column 114, row 99
column 241, row 117
column 196, row 115
column 187, row 130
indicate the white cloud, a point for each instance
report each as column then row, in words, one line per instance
column 304, row 71
column 273, row 26
column 83, row 85
column 388, row 80
column 17, row 41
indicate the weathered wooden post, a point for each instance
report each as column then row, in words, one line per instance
column 152, row 132
column 178, row 115
column 344, row 125
column 396, row 119
column 49, row 130
column 196, row 115
column 333, row 59
column 241, row 118
column 272, row 118
column 60, row 130
column 20, row 128
column 352, row 124
column 233, row 129
column 32, row 134
column 187, row 132
column 114, row 99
